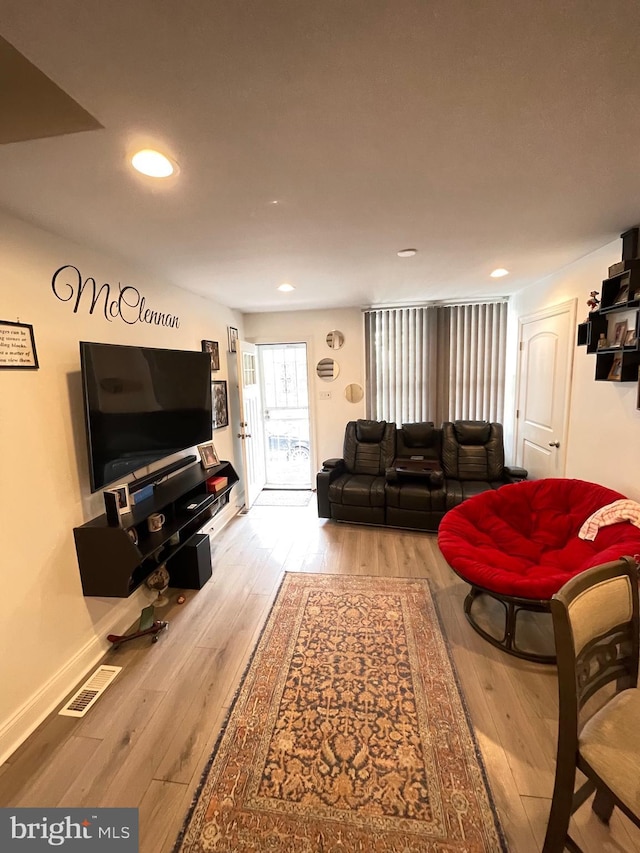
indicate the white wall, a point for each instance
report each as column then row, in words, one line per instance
column 49, row 633
column 328, row 417
column 604, row 425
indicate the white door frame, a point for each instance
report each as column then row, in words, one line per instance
column 569, row 307
column 250, row 419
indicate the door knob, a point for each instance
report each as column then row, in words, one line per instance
column 554, row 444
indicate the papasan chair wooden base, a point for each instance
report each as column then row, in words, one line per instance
column 519, row 544
column 512, row 606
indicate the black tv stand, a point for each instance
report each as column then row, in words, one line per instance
column 114, row 561
column 155, row 476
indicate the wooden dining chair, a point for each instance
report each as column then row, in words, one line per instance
column 596, row 625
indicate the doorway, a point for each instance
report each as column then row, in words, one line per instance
column 285, row 401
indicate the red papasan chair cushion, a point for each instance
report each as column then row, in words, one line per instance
column 522, row 539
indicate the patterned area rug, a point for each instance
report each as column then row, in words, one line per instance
column 282, row 497
column 348, row 733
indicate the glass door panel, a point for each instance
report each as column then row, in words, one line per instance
column 285, row 398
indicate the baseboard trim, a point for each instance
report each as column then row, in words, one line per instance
column 60, row 685
column 45, row 700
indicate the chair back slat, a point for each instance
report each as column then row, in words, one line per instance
column 596, row 625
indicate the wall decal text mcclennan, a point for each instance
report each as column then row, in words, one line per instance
column 126, row 303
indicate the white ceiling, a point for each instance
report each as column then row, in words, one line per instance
column 495, row 133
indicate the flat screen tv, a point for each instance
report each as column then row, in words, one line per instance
column 141, row 405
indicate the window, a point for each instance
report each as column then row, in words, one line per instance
column 436, row 363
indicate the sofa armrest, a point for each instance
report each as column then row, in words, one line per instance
column 436, row 478
column 514, row 474
column 333, row 463
column 331, row 468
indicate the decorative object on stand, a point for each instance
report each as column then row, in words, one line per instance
column 17, row 346
column 593, row 301
column 603, row 343
column 233, row 339
column 212, row 348
column 158, row 581
column 208, row 455
column 219, row 405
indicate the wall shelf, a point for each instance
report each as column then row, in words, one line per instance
column 619, row 305
column 112, row 564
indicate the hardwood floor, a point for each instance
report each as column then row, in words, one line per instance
column 147, row 740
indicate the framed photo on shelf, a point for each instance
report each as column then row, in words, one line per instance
column 233, row 339
column 623, row 294
column 219, row 405
column 122, row 497
column 630, row 339
column 616, row 368
column 208, row 455
column 212, row 348
column 620, row 330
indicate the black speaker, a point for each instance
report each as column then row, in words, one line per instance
column 190, row 568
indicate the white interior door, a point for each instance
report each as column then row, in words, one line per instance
column 251, row 426
column 544, row 387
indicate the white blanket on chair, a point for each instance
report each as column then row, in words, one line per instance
column 622, row 510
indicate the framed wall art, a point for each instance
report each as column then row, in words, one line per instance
column 219, row 404
column 233, row 339
column 212, row 348
column 17, row 346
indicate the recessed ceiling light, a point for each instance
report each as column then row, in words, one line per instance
column 286, row 288
column 152, row 163
column 499, row 273
column 407, row 253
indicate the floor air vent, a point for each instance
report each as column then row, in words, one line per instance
column 90, row 691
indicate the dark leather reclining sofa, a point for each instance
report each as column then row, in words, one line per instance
column 410, row 477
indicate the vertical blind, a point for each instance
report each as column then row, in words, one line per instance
column 436, row 363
